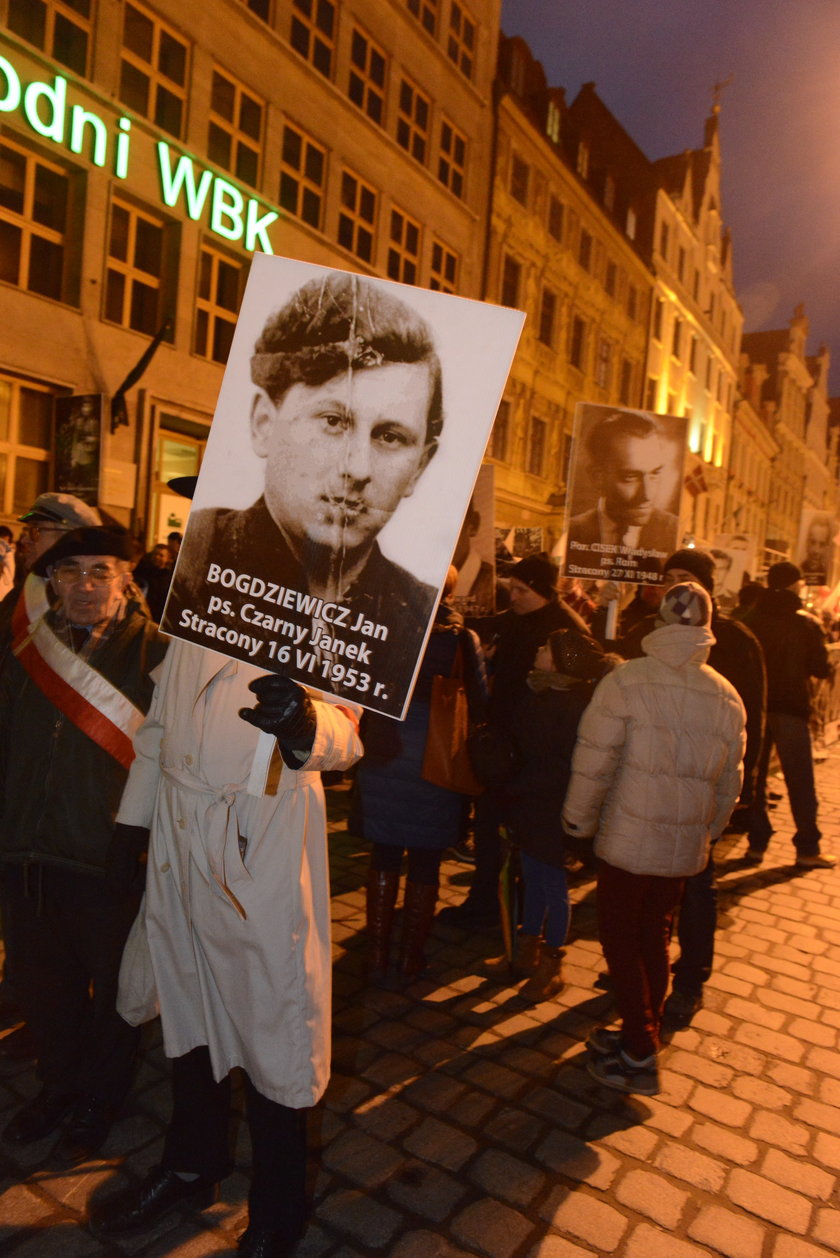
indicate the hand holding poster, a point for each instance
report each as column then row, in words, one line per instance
column 624, row 493
column 350, row 426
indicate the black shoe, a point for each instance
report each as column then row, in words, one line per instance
column 18, row 1045
column 264, row 1242
column 39, row 1117
column 470, row 915
column 87, row 1130
column 680, row 1008
column 151, row 1201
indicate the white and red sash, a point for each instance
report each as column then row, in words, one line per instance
column 85, row 697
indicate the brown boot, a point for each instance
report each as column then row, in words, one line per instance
column 546, row 981
column 526, row 954
column 418, row 912
column 382, row 886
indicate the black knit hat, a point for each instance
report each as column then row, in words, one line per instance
column 92, row 541
column 538, row 572
column 576, row 654
column 781, row 575
column 698, row 562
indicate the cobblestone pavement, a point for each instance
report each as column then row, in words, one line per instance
column 460, row 1121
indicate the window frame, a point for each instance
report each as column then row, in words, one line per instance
column 364, row 90
column 130, row 271
column 403, row 261
column 210, row 306
column 25, row 223
column 305, row 184
column 320, row 42
column 352, row 214
column 157, row 79
column 443, row 261
column 241, row 141
column 56, row 11
column 461, row 39
column 452, row 172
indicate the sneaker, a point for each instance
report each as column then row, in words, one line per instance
column 680, row 1008
column 604, row 1041
column 621, row 1072
column 818, row 860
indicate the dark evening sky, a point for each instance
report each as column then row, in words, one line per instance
column 655, row 64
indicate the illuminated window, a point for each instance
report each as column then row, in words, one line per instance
column 153, row 70
column 548, row 317
column 135, row 269
column 357, row 216
column 552, row 122
column 234, row 133
column 500, row 435
column 577, row 342
column 609, row 192
column 582, row 164
column 303, row 166
column 403, row 248
column 603, row 364
column 313, row 32
column 535, row 461
column 26, row 439
column 34, row 223
column 555, row 218
column 413, row 121
column 520, row 175
column 460, row 44
column 366, row 84
column 630, row 225
column 426, row 12
column 452, row 158
column 511, row 278
column 60, row 28
column 218, row 296
column 444, row 275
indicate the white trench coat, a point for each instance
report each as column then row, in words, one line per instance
column 237, row 908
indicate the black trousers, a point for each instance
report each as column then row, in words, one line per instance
column 65, row 932
column 197, row 1142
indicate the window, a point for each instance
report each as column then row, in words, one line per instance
column 234, row 132
column 603, row 364
column 630, row 226
column 460, row 45
column 658, row 318
column 60, row 28
column 302, row 174
column 535, row 464
column 650, row 393
column 153, row 70
column 413, row 121
column 134, row 276
column 500, row 435
column 262, row 8
column 312, row 32
column 520, row 173
column 582, row 163
column 452, row 158
column 692, row 356
column 357, row 216
column 548, row 316
column 625, row 388
column 26, row 439
column 403, row 248
column 664, row 239
column 511, row 276
column 610, row 279
column 681, row 259
column 426, row 13
column 609, row 192
column 444, row 276
column 555, row 218
column 695, row 286
column 552, row 121
column 577, row 342
column 585, row 249
column 366, row 85
column 218, row 297
column 676, row 342
column 34, row 222
column 632, row 302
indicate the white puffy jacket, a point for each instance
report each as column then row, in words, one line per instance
column 657, row 766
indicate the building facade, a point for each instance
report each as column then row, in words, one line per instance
column 148, row 149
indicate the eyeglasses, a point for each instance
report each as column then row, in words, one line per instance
column 72, row 574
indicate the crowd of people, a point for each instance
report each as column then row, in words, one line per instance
column 163, row 843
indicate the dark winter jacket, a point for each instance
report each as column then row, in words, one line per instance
column 60, row 789
column 399, row 806
column 794, row 650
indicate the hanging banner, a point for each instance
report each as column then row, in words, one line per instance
column 350, row 426
column 625, row 481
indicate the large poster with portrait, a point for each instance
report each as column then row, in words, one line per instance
column 625, row 482
column 815, row 551
column 351, row 422
column 78, row 445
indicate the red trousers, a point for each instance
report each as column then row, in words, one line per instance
column 635, row 915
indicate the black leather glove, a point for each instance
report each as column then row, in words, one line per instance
column 125, row 861
column 285, row 710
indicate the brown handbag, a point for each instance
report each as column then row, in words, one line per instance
column 445, row 760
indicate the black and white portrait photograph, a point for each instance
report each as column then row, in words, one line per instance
column 625, row 482
column 349, row 430
column 78, row 445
